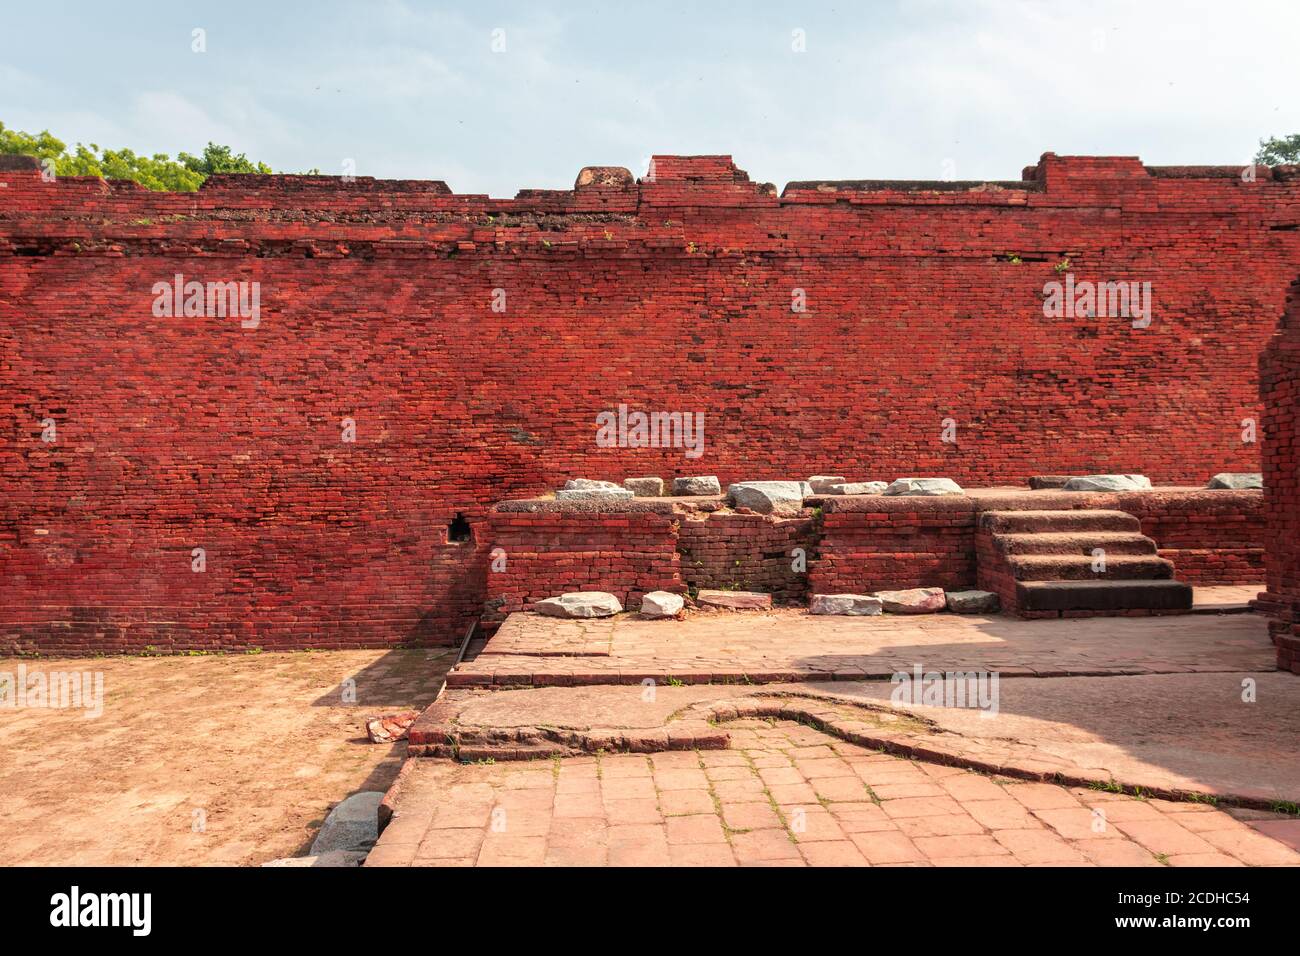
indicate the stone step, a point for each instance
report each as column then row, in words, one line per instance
column 1071, row 567
column 1021, row 522
column 1074, row 542
column 1104, row 596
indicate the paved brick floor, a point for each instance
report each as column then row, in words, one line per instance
column 788, row 795
column 791, row 645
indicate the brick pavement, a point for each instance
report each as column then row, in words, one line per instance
column 787, row 645
column 788, row 795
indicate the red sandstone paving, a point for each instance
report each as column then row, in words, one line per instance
column 688, row 811
column 792, row 645
column 1178, row 731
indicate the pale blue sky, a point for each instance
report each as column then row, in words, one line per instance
column 895, row 89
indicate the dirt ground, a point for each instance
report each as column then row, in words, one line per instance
column 219, row 760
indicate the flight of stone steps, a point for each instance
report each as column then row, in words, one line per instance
column 1075, row 563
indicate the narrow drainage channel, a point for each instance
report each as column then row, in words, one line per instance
column 462, row 655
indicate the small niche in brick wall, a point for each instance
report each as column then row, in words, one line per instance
column 458, row 531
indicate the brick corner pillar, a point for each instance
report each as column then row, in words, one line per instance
column 1279, row 390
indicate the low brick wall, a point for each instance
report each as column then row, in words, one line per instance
column 875, row 543
column 856, row 545
column 1212, row 537
column 748, row 552
column 556, row 548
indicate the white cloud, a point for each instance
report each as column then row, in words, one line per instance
column 888, row 90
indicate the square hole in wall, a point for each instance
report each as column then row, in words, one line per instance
column 459, row 532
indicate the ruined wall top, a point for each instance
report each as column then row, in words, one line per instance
column 671, row 182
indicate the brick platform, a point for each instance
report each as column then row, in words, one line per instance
column 859, row 544
column 791, row 645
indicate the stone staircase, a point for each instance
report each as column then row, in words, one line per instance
column 1043, row 564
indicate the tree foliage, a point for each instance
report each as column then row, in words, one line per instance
column 185, row 173
column 1278, row 152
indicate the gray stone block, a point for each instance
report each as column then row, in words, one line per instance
column 1237, row 480
column 852, row 605
column 579, row 604
column 352, row 825
column 645, row 487
column 697, row 485
column 923, row 486
column 1108, row 483
column 767, row 497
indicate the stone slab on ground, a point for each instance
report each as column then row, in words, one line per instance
column 579, row 604
column 1237, row 480
column 912, row 600
column 352, row 825
column 645, row 487
column 1224, row 598
column 923, row 487
column 1108, row 483
column 594, row 494
column 767, row 497
column 820, row 484
column 973, row 602
column 858, row 488
column 853, row 605
column 735, row 600
column 658, row 604
column 697, row 485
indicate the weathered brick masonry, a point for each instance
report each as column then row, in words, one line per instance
column 749, row 552
column 923, row 303
column 1279, row 369
column 546, row 548
column 876, row 543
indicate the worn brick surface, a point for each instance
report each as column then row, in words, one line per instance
column 979, row 821
column 1279, row 370
column 670, row 294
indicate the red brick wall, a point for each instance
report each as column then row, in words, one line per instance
column 1212, row 537
column 743, row 552
column 887, row 543
column 1279, row 370
column 547, row 552
column 667, row 295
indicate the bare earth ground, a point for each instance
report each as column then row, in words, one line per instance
column 228, row 760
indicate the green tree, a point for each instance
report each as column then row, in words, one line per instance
column 220, row 159
column 159, row 171
column 1277, row 152
column 42, row 146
